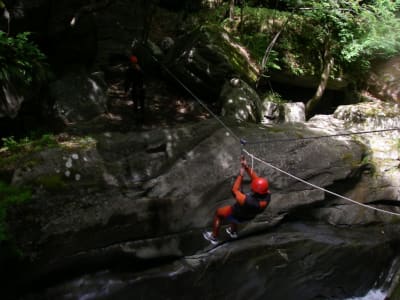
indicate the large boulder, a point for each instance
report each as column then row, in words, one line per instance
column 384, row 79
column 379, row 183
column 292, row 262
column 10, row 101
column 239, row 101
column 79, row 97
column 157, row 183
column 205, row 58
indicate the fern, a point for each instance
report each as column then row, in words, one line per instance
column 21, row 61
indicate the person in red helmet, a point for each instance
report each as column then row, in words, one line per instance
column 246, row 207
column 134, row 85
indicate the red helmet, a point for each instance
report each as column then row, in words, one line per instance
column 133, row 59
column 259, row 185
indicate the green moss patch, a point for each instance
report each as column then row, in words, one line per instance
column 51, row 182
column 10, row 195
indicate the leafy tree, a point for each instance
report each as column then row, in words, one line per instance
column 350, row 31
column 377, row 33
column 22, row 66
column 21, row 60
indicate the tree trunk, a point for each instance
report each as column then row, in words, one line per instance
column 148, row 19
column 232, row 9
column 315, row 100
column 241, row 16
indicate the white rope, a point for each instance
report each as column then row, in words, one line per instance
column 252, row 163
column 318, row 187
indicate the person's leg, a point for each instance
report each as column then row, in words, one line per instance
column 221, row 214
column 142, row 97
column 135, row 100
column 234, row 227
column 142, row 111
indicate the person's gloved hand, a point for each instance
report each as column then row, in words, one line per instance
column 243, row 161
column 241, row 171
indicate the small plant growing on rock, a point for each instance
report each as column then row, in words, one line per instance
column 26, row 144
column 274, row 97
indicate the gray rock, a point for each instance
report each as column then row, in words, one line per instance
column 205, row 58
column 291, row 262
column 294, row 112
column 79, row 97
column 270, row 112
column 148, row 196
column 10, row 101
column 240, row 101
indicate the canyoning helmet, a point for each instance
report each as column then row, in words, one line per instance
column 259, row 185
column 133, row 59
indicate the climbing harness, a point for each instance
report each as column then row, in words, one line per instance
column 253, row 157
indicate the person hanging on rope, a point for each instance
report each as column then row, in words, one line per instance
column 246, row 207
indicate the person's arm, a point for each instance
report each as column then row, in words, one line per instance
column 252, row 174
column 239, row 196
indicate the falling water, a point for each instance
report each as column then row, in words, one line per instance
column 375, row 294
column 388, row 282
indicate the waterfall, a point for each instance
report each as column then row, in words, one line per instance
column 375, row 294
column 387, row 283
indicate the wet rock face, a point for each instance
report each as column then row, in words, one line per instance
column 10, row 101
column 206, row 58
column 79, row 97
column 293, row 261
column 145, row 186
column 147, row 196
column 384, row 80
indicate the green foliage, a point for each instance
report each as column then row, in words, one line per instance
column 377, row 31
column 355, row 33
column 274, row 97
column 27, row 144
column 10, row 195
column 21, row 61
column 257, row 31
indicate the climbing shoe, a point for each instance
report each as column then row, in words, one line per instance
column 210, row 237
column 231, row 233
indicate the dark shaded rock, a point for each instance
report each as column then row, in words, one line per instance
column 294, row 261
column 79, row 97
column 155, row 187
column 144, row 198
column 205, row 58
column 10, row 101
column 240, row 101
column 383, row 81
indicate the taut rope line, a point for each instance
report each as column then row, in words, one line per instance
column 321, row 136
column 196, row 98
column 318, row 187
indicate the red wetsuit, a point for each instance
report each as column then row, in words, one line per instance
column 246, row 207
